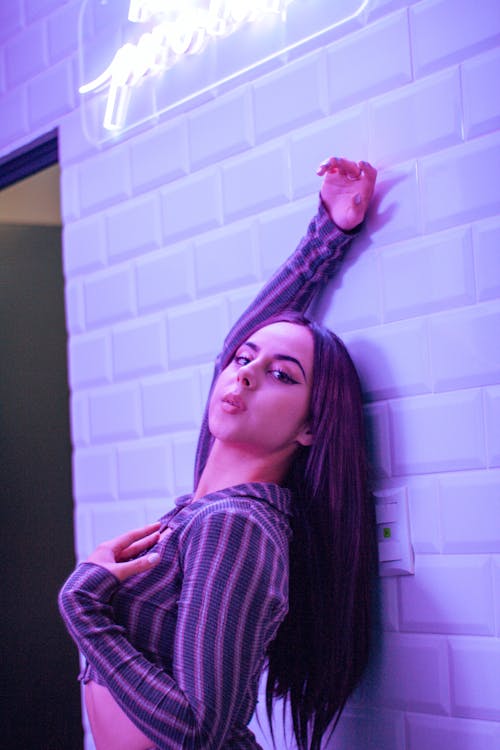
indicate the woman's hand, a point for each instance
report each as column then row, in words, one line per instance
column 119, row 555
column 347, row 190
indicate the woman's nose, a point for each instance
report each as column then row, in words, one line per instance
column 246, row 377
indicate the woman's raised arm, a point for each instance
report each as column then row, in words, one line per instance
column 344, row 198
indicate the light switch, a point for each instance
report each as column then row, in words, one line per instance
column 395, row 551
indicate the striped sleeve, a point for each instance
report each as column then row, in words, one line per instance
column 231, row 604
column 293, row 287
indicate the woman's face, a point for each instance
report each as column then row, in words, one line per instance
column 261, row 400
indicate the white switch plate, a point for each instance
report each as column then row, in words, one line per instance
column 395, row 551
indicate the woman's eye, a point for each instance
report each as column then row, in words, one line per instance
column 282, row 376
column 241, row 360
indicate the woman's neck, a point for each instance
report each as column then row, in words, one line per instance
column 229, row 464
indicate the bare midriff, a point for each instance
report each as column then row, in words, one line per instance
column 111, row 727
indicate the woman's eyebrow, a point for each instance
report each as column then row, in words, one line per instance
column 286, row 357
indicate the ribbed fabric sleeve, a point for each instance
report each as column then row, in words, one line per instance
column 233, row 597
column 293, row 287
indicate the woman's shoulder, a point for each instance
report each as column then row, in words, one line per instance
column 245, row 508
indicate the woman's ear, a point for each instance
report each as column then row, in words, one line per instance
column 305, row 436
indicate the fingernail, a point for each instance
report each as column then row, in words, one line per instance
column 357, row 199
column 153, row 558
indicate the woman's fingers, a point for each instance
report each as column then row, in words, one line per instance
column 344, row 167
column 347, row 190
column 124, row 570
column 131, row 537
column 137, row 547
column 115, row 555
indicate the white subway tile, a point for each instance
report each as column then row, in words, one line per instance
column 388, row 603
column 72, row 142
column 160, row 156
column 84, row 537
column 304, row 20
column 139, row 348
column 496, row 592
column 79, row 420
column 84, row 246
column 165, row 278
column 196, row 332
column 424, row 515
column 134, row 229
column 191, row 206
column 280, row 231
column 438, row 732
column 115, row 414
column 35, row 9
column 75, row 314
column 444, row 32
column 70, row 201
column 184, row 454
column 109, row 297
column 480, row 78
column 237, row 302
column 470, row 512
column 171, row 402
column 448, row 594
column 94, row 474
column 475, row 677
column 255, row 183
column 392, row 360
column 378, row 439
column 290, row 97
column 89, row 360
column 157, row 507
column 111, row 519
column 11, row 20
column 25, row 55
column 226, row 259
column 428, row 274
column 51, row 95
column 144, row 470
column 353, row 299
column 438, row 432
column 104, row 180
column 398, row 206
column 62, row 31
column 2, row 72
column 462, row 345
column 14, row 120
column 344, row 133
column 486, row 241
column 206, row 377
column 370, row 728
column 400, row 125
column 410, row 672
column 228, row 120
column 369, row 62
column 492, row 420
column 377, row 8
column 460, row 184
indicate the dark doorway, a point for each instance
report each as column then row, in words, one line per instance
column 39, row 694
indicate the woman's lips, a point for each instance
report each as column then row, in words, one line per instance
column 232, row 403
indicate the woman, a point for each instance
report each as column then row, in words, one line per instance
column 270, row 559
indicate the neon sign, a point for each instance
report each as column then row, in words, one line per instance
column 180, row 29
column 160, row 36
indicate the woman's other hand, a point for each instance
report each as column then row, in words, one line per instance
column 346, row 190
column 119, row 555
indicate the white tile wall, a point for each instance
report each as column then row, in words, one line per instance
column 169, row 232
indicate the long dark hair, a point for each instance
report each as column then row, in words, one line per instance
column 321, row 648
